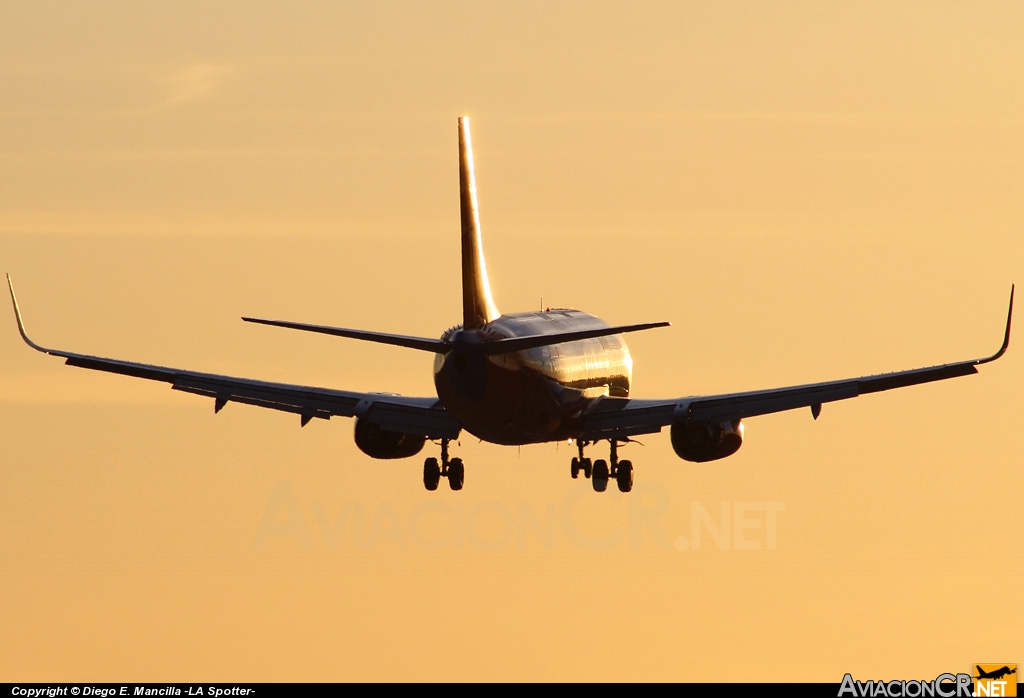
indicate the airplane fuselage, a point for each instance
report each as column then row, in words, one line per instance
column 534, row 395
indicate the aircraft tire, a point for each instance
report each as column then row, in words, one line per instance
column 431, row 474
column 456, row 474
column 624, row 476
column 600, row 478
column 575, row 468
column 588, row 468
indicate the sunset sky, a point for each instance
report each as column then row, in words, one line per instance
column 808, row 191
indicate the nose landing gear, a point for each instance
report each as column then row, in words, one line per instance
column 452, row 469
column 601, row 471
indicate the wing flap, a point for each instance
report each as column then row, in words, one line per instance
column 758, row 403
column 889, row 381
column 755, row 403
column 433, row 422
column 126, row 368
column 620, row 417
column 293, row 399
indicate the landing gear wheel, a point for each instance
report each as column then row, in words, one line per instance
column 456, row 473
column 575, row 468
column 624, row 476
column 431, row 474
column 600, row 478
column 587, row 468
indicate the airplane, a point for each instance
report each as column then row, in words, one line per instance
column 519, row 378
column 995, row 674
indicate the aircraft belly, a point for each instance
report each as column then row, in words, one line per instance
column 514, row 408
column 520, row 405
column 534, row 395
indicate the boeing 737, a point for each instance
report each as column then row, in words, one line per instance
column 519, row 378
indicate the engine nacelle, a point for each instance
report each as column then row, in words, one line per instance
column 699, row 442
column 380, row 443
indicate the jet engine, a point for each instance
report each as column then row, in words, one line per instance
column 699, row 442
column 380, row 443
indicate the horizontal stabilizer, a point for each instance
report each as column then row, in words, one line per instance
column 505, row 346
column 437, row 346
column 398, row 340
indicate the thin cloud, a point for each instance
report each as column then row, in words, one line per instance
column 193, row 82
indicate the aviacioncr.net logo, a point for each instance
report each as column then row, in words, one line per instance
column 943, row 686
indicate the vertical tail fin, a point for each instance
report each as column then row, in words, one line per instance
column 477, row 304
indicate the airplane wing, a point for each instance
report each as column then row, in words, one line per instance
column 422, row 416
column 624, row 417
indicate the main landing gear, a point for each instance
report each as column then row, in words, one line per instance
column 452, row 469
column 599, row 471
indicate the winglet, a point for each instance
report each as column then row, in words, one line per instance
column 21, row 325
column 1006, row 337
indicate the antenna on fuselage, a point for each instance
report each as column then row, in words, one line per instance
column 478, row 307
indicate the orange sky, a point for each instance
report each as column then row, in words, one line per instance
column 808, row 191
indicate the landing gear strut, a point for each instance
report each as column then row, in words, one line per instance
column 581, row 463
column 452, row 469
column 601, row 470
